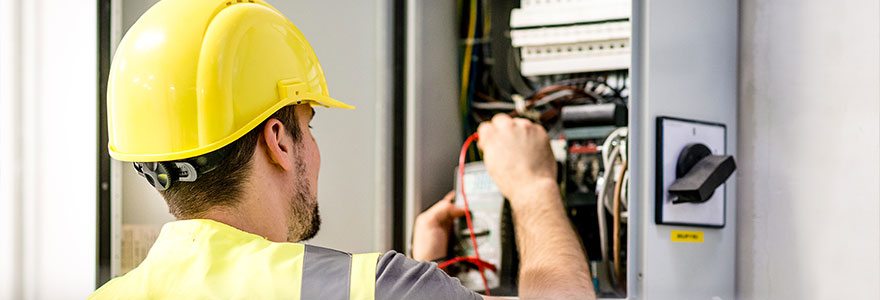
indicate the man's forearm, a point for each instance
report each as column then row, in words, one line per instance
column 552, row 261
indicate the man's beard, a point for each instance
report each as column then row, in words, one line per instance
column 304, row 219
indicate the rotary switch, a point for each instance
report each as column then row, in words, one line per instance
column 699, row 173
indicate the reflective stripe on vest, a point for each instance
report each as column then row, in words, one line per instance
column 334, row 275
column 325, row 274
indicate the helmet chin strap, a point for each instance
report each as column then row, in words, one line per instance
column 162, row 174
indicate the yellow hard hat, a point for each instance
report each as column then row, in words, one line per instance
column 192, row 76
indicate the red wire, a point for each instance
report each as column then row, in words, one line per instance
column 467, row 212
column 469, row 259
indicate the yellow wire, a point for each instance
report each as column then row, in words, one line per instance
column 487, row 22
column 466, row 64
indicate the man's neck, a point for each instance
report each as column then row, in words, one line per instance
column 264, row 204
column 252, row 218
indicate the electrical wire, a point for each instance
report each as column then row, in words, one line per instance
column 616, row 225
column 552, row 97
column 624, row 194
column 605, row 182
column 619, row 133
column 487, row 18
column 470, row 259
column 619, row 136
column 550, row 89
column 613, row 149
column 466, row 62
column 467, row 211
column 516, row 80
column 494, row 105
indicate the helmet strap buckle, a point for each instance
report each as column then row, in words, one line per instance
column 156, row 173
column 162, row 174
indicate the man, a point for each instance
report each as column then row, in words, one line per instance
column 212, row 99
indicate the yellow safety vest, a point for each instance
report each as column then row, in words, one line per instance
column 204, row 259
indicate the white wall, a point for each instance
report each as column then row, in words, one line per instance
column 48, row 143
column 809, row 115
column 353, row 42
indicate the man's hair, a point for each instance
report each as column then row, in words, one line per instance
column 223, row 185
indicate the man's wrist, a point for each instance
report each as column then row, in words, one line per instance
column 537, row 193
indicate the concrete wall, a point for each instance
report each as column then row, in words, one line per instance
column 809, row 140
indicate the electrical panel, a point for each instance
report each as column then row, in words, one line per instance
column 657, row 220
column 565, row 67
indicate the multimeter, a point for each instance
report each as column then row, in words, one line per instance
column 493, row 228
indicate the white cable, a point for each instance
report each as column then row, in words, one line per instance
column 610, row 175
column 600, row 214
column 614, row 150
column 553, row 97
column 624, row 134
column 600, row 201
column 494, row 105
column 617, row 133
column 601, row 206
column 513, row 106
column 617, row 143
column 519, row 103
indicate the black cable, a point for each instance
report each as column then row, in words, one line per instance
column 505, row 72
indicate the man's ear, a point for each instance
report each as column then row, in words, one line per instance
column 277, row 144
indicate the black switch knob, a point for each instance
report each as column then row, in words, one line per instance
column 698, row 173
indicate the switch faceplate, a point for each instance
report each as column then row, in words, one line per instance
column 673, row 134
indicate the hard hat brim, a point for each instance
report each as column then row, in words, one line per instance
column 303, row 98
column 325, row 101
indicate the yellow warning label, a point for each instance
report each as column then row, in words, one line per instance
column 687, row 236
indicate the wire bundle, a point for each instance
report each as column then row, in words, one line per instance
column 614, row 153
column 491, row 81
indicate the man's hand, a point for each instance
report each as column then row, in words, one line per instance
column 552, row 263
column 431, row 233
column 517, row 154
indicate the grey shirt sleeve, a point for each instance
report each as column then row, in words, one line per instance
column 399, row 277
